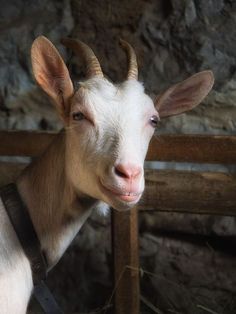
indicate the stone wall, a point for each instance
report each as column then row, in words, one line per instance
column 173, row 39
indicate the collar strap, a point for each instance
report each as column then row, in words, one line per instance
column 21, row 221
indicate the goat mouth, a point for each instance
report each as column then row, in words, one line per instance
column 122, row 195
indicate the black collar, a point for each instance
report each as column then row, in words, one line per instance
column 20, row 219
column 23, row 226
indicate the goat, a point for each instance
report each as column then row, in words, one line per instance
column 95, row 162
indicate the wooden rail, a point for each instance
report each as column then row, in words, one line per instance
column 172, row 190
column 194, row 148
column 24, row 143
column 179, row 148
column 191, row 192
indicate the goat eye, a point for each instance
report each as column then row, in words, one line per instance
column 154, row 121
column 77, row 116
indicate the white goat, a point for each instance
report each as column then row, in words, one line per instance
column 95, row 162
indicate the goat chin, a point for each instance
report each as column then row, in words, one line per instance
column 121, row 205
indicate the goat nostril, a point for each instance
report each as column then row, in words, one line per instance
column 120, row 173
column 127, row 171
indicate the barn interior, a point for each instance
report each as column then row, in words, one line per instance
column 187, row 261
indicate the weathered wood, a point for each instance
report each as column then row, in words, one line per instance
column 179, row 148
column 24, row 143
column 190, row 192
column 193, row 148
column 126, row 261
column 172, row 190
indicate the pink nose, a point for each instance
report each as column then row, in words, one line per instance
column 128, row 171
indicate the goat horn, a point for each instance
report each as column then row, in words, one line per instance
column 132, row 60
column 80, row 48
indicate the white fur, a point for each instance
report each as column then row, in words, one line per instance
column 15, row 271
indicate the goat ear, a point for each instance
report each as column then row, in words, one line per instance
column 52, row 74
column 185, row 95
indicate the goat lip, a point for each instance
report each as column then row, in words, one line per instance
column 124, row 196
column 129, row 198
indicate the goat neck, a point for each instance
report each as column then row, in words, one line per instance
column 56, row 210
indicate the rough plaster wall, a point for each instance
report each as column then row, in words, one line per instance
column 173, row 39
column 22, row 104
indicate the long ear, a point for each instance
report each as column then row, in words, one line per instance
column 185, row 95
column 52, row 74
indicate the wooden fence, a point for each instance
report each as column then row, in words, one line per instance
column 166, row 190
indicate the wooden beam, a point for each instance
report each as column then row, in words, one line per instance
column 190, row 192
column 178, row 148
column 172, row 190
column 24, row 143
column 194, row 148
column 126, row 261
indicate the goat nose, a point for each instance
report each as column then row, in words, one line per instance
column 128, row 171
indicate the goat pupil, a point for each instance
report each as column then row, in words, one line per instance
column 154, row 120
column 78, row 116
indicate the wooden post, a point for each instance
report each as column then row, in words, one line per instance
column 126, row 261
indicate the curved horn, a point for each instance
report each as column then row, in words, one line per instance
column 132, row 60
column 80, row 48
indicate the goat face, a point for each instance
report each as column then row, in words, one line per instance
column 109, row 131
column 108, row 127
